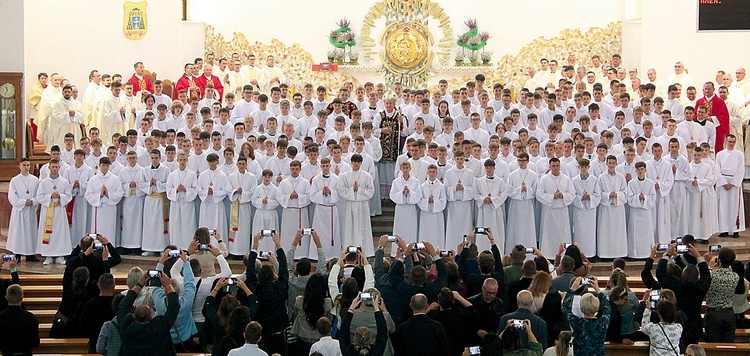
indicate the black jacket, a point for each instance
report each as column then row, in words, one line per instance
column 93, row 262
column 272, row 296
column 454, row 322
column 513, row 288
column 19, row 331
column 150, row 338
column 4, row 284
column 381, row 340
column 485, row 316
column 474, row 281
column 389, row 284
column 95, row 313
column 689, row 296
column 420, row 335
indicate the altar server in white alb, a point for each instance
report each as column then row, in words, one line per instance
column 153, row 184
column 265, row 203
column 53, row 195
column 522, row 184
column 357, row 188
column 103, row 193
column 243, row 185
column 641, row 199
column 729, row 189
column 431, row 206
column 459, row 188
column 659, row 170
column 406, row 193
column 490, row 195
column 78, row 176
column 132, row 204
column 588, row 197
column 182, row 189
column 324, row 193
column 683, row 176
column 611, row 228
column 555, row 192
column 294, row 198
column 698, row 199
column 212, row 189
column 23, row 225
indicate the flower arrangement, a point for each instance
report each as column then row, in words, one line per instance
column 474, row 41
column 343, row 37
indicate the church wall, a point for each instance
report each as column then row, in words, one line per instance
column 669, row 34
column 511, row 24
column 11, row 36
column 73, row 37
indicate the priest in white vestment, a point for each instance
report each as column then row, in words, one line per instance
column 431, row 206
column 212, row 189
column 659, row 170
column 265, row 201
column 555, row 193
column 67, row 115
column 459, row 188
column 729, row 189
column 588, row 198
column 182, row 189
column 357, row 187
column 521, row 226
column 294, row 198
column 698, row 201
column 324, row 193
column 243, row 185
column 114, row 113
column 53, row 194
column 406, row 193
column 22, row 226
column 103, row 193
column 612, row 227
column 153, row 183
column 490, row 194
column 78, row 175
column 132, row 204
column 641, row 199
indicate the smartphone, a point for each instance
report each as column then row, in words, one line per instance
column 585, row 281
column 93, row 236
column 529, row 250
column 678, row 240
column 480, row 230
column 392, row 238
column 174, row 253
column 655, row 297
column 231, row 286
column 153, row 278
column 662, row 247
column 98, row 245
column 203, row 247
column 714, row 248
column 518, row 324
column 465, row 240
column 352, row 249
column 568, row 245
column 307, row 231
column 267, row 233
column 682, row 248
column 365, row 297
column 474, row 351
column 212, row 232
column 264, row 254
column 7, row 257
column 446, row 253
column 418, row 246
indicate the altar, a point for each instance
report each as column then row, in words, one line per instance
column 374, row 73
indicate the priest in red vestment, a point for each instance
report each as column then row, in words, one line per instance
column 207, row 78
column 189, row 83
column 139, row 81
column 717, row 108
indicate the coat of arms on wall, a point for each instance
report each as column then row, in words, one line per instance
column 135, row 23
column 406, row 45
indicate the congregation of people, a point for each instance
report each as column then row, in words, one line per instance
column 583, row 164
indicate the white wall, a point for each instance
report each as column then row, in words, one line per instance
column 669, row 34
column 511, row 24
column 11, row 36
column 73, row 37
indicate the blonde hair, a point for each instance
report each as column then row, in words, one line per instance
column 589, row 304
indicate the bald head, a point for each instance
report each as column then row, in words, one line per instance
column 524, row 299
column 418, row 303
column 142, row 314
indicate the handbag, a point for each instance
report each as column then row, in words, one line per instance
column 61, row 319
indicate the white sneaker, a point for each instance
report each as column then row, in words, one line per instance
column 148, row 254
column 60, row 260
column 49, row 261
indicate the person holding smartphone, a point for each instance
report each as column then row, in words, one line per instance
column 510, row 338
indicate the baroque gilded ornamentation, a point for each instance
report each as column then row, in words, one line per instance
column 295, row 61
column 512, row 70
column 406, row 41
